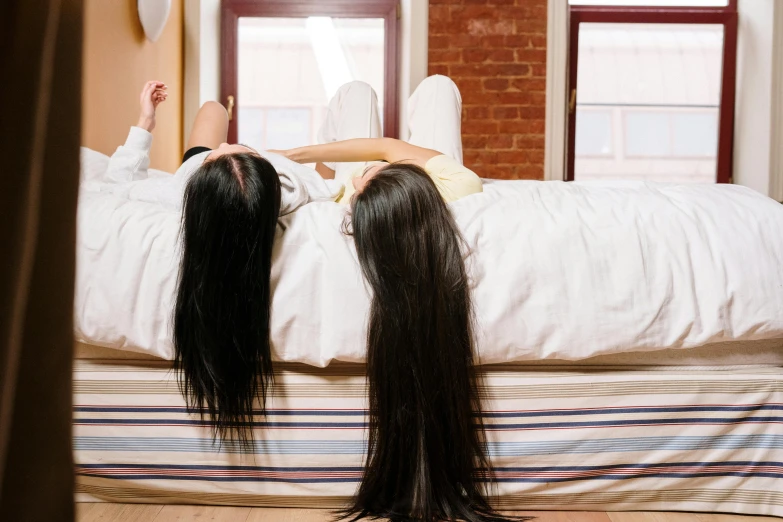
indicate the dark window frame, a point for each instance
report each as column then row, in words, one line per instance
column 232, row 10
column 726, row 16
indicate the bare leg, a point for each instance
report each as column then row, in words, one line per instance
column 210, row 128
column 353, row 113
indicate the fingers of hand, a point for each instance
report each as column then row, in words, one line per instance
column 159, row 95
column 153, row 89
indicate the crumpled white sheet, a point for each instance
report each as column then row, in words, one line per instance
column 559, row 271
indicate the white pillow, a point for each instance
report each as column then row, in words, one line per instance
column 93, row 165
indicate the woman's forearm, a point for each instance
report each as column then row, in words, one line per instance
column 359, row 149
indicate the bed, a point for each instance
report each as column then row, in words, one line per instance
column 630, row 337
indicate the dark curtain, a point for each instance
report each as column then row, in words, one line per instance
column 40, row 116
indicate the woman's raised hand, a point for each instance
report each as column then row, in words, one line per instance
column 152, row 95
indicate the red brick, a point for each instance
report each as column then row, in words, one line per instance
column 438, row 69
column 537, row 126
column 480, row 157
column 474, row 141
column 500, row 142
column 481, row 27
column 496, row 84
column 481, row 98
column 446, row 56
column 481, row 127
column 538, row 99
column 438, row 13
column 528, row 172
column 514, row 98
column 492, row 41
column 538, row 70
column 505, row 113
column 529, row 142
column 529, row 84
column 514, row 127
column 475, row 55
column 536, row 156
column 468, row 85
column 477, row 113
column 473, row 12
column 501, row 55
column 532, row 56
column 534, row 112
column 439, row 41
column 512, row 157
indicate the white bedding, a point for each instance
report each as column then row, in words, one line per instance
column 561, row 271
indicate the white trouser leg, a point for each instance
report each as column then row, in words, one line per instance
column 352, row 113
column 435, row 116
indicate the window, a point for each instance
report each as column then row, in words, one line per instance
column 670, row 134
column 662, row 72
column 291, row 57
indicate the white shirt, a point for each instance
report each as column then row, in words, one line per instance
column 128, row 176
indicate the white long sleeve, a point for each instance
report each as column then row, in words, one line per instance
column 131, row 160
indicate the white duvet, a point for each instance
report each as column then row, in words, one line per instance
column 559, row 271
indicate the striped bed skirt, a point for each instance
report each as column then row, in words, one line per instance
column 607, row 440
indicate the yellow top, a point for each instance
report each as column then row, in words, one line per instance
column 453, row 179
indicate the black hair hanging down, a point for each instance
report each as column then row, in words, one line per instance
column 426, row 457
column 221, row 316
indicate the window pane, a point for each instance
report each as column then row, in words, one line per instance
column 290, row 128
column 661, row 83
column 647, row 134
column 695, row 134
column 251, row 127
column 687, row 3
column 594, row 133
column 289, row 68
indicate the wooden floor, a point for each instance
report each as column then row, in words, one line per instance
column 156, row 513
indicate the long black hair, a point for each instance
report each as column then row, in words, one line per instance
column 221, row 316
column 426, row 455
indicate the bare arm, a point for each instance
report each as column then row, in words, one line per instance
column 210, row 128
column 131, row 160
column 362, row 149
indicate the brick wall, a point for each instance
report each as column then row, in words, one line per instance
column 495, row 51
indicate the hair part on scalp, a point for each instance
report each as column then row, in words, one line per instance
column 221, row 315
column 426, row 456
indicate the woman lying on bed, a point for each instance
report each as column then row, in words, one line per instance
column 230, row 197
column 426, row 458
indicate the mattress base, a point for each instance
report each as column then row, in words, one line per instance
column 686, row 440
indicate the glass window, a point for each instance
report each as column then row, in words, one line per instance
column 251, row 126
column 594, row 133
column 695, row 134
column 290, row 127
column 663, row 82
column 668, row 3
column 289, row 68
column 647, row 134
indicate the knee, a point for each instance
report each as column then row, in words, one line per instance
column 439, row 81
column 357, row 88
column 214, row 108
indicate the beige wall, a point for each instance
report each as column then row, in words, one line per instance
column 118, row 59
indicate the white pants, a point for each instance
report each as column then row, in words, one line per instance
column 434, row 119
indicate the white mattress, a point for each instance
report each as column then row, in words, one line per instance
column 560, row 272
